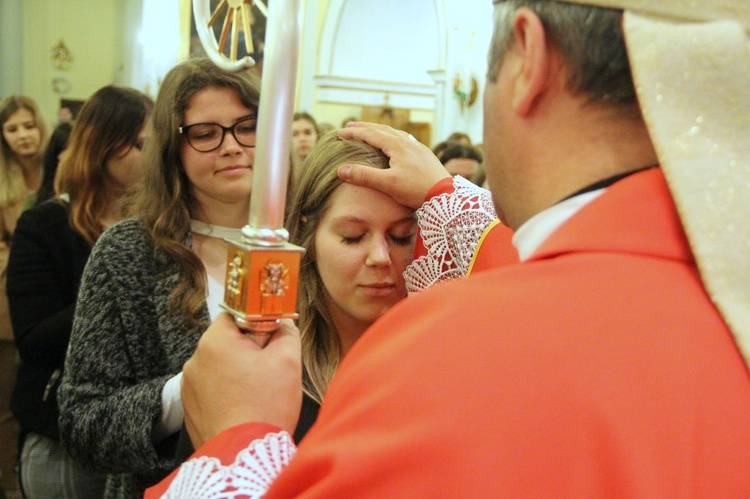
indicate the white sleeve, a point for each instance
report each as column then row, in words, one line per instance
column 171, row 410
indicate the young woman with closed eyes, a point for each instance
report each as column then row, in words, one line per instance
column 358, row 243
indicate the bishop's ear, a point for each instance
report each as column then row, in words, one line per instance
column 533, row 69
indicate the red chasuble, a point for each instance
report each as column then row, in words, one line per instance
column 598, row 368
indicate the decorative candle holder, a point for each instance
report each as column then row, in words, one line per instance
column 262, row 266
column 261, row 285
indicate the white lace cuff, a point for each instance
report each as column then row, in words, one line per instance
column 451, row 226
column 252, row 473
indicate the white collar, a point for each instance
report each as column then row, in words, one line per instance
column 214, row 230
column 538, row 228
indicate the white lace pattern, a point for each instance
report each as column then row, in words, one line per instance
column 451, row 226
column 252, row 473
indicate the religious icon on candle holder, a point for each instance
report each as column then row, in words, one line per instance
column 261, row 281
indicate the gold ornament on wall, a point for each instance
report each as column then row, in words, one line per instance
column 465, row 92
column 60, row 85
column 62, row 58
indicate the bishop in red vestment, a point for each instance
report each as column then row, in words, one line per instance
column 609, row 363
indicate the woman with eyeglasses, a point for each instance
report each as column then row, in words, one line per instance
column 154, row 282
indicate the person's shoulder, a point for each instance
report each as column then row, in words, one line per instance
column 452, row 302
column 49, row 214
column 466, row 287
column 125, row 239
column 131, row 228
column 50, row 208
column 125, row 252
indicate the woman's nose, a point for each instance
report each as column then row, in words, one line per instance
column 230, row 145
column 378, row 252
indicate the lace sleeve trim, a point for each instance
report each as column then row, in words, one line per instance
column 451, row 225
column 250, row 476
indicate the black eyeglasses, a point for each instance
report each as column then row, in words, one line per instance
column 207, row 137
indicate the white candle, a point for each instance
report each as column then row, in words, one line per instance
column 272, row 159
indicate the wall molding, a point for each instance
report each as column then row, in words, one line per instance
column 353, row 91
column 340, row 89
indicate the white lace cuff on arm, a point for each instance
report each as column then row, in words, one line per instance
column 250, row 475
column 451, row 226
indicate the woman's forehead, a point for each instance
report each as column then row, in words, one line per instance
column 20, row 115
column 351, row 202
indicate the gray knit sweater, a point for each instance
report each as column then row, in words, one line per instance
column 125, row 345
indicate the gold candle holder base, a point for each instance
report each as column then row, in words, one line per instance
column 261, row 286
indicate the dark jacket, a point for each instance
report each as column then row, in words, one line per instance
column 47, row 259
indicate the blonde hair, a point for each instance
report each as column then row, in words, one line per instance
column 110, row 120
column 163, row 201
column 13, row 187
column 321, row 346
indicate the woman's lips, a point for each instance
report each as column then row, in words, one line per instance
column 378, row 290
column 232, row 171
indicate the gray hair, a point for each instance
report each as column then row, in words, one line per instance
column 590, row 40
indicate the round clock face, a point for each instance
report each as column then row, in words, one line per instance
column 60, row 85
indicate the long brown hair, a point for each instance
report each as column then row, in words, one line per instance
column 164, row 200
column 109, row 121
column 321, row 346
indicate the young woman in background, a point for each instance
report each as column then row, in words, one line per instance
column 50, row 248
column 24, row 134
column 154, row 281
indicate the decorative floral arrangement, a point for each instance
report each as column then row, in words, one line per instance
column 61, row 56
column 466, row 95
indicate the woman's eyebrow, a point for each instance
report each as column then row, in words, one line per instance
column 353, row 219
column 349, row 218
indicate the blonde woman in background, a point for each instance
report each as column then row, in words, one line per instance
column 305, row 135
column 24, row 134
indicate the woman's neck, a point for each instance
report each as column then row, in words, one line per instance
column 348, row 328
column 113, row 210
column 224, row 215
column 32, row 173
column 215, row 231
column 212, row 252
